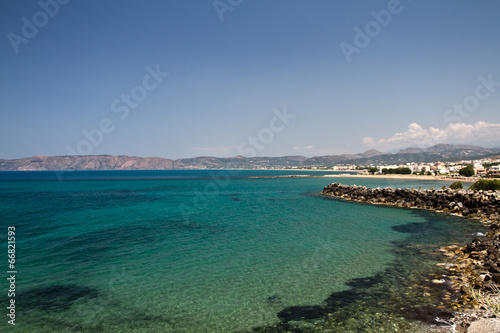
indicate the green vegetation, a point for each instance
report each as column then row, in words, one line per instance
column 489, row 165
column 373, row 170
column 468, row 171
column 488, row 301
column 444, row 187
column 456, row 186
column 486, row 185
column 399, row 171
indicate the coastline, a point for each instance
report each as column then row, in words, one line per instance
column 474, row 270
column 412, row 177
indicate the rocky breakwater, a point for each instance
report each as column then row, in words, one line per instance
column 484, row 205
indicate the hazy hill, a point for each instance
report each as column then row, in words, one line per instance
column 440, row 148
column 440, row 152
column 371, row 153
column 86, row 162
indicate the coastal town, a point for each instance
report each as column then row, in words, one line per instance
column 486, row 167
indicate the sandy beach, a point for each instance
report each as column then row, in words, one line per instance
column 413, row 177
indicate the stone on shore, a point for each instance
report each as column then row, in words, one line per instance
column 485, row 325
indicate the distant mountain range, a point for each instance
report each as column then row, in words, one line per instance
column 439, row 152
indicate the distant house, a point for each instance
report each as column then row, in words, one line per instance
column 415, row 168
column 494, row 171
column 480, row 172
column 442, row 169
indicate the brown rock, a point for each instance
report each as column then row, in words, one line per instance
column 496, row 278
column 485, row 325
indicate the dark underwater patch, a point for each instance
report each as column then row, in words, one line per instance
column 55, row 297
column 301, row 313
column 413, row 228
column 102, row 244
column 396, row 298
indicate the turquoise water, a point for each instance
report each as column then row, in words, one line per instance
column 214, row 251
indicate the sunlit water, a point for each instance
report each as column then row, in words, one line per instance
column 185, row 251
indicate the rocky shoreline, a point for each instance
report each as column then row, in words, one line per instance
column 484, row 205
column 475, row 269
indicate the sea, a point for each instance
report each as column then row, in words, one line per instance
column 218, row 251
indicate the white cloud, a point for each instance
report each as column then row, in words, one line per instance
column 303, row 148
column 416, row 135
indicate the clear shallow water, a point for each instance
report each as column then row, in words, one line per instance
column 208, row 251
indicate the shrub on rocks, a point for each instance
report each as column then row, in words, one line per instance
column 486, row 185
column 457, row 185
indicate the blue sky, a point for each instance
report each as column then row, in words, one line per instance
column 427, row 72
